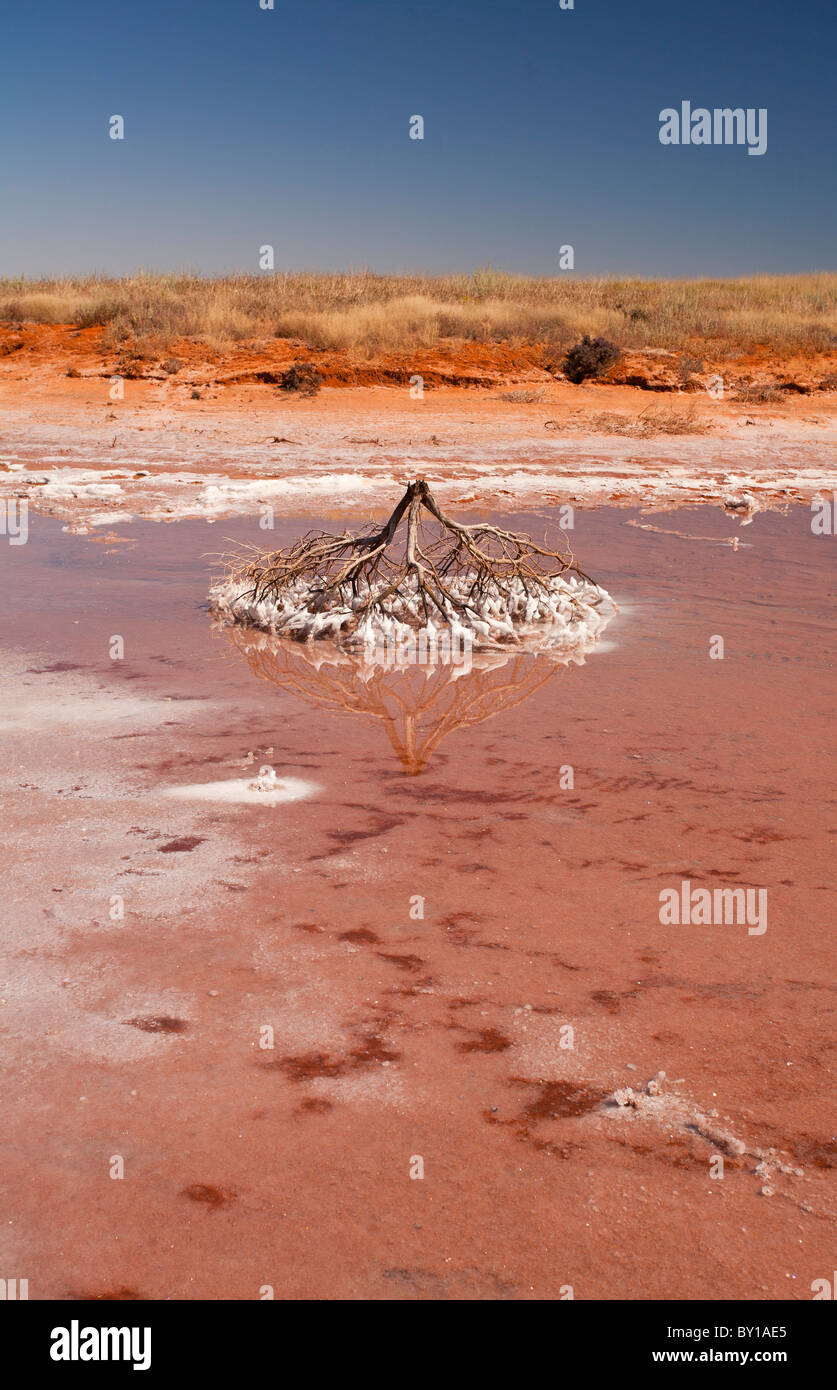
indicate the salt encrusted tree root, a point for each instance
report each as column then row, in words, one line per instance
column 447, row 576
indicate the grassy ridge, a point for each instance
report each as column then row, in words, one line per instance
column 388, row 313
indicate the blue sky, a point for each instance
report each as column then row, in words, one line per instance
column 291, row 127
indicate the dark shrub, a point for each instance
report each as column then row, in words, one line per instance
column 590, row 357
column 635, row 315
column 302, row 377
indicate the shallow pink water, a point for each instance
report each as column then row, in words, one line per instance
column 397, row 1037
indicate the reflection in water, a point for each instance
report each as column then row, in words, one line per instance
column 417, row 705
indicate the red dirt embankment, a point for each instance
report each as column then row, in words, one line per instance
column 191, row 430
column 66, row 349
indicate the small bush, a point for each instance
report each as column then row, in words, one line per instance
column 521, row 397
column 302, row 377
column 759, row 393
column 590, row 357
column 664, row 420
column 635, row 315
column 688, row 365
column 669, row 419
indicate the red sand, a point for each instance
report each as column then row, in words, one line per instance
column 243, row 444
column 440, row 1037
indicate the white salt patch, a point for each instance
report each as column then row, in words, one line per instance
column 62, row 490
column 93, row 519
column 275, row 791
column 83, row 709
column 563, row 612
column 475, row 471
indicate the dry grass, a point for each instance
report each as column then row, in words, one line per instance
column 521, row 397
column 415, row 320
column 666, row 419
column 375, row 313
column 760, row 393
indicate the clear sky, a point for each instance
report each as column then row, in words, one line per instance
column 290, row 126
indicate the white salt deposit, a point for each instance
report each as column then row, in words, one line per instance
column 267, row 790
column 477, row 471
column 81, row 707
column 267, row 781
column 565, row 611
